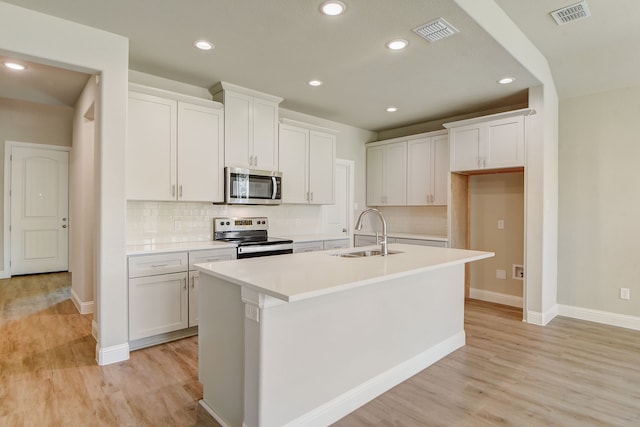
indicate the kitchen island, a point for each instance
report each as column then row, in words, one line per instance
column 304, row 339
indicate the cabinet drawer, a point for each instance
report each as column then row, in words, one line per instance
column 307, row 247
column 336, row 244
column 210, row 255
column 151, row 265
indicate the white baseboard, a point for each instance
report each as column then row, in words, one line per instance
column 213, row 413
column 113, row 354
column 83, row 307
column 495, row 297
column 348, row 402
column 541, row 319
column 597, row 316
column 4, row 274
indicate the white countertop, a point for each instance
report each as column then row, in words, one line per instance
column 301, row 276
column 406, row 235
column 176, row 247
column 301, row 238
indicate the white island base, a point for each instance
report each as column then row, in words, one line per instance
column 311, row 354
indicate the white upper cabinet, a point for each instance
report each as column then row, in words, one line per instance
column 387, row 174
column 427, row 170
column 174, row 148
column 307, row 156
column 251, row 127
column 200, row 153
column 492, row 142
column 408, row 171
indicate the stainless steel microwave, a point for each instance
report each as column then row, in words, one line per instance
column 252, row 187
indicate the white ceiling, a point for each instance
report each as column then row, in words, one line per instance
column 276, row 46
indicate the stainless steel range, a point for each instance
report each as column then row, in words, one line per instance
column 250, row 234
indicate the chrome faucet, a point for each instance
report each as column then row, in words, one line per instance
column 382, row 242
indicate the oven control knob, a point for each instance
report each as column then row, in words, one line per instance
column 221, row 222
column 228, row 223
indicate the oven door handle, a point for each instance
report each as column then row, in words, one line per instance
column 263, row 248
column 275, row 187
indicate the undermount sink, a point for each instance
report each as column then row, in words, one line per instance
column 365, row 253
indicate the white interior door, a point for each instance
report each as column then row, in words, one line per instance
column 39, row 210
column 339, row 216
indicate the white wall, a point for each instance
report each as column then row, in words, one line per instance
column 496, row 197
column 600, row 201
column 82, row 200
column 65, row 44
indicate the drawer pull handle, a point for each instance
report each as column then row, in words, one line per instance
column 159, row 265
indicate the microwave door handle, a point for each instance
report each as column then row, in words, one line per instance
column 275, row 187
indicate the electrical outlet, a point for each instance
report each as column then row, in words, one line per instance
column 624, row 293
column 517, row 272
column 177, row 225
column 501, row 224
column 501, row 274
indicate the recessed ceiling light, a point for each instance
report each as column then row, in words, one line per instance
column 315, row 83
column 506, row 80
column 397, row 44
column 15, row 66
column 203, row 44
column 333, row 8
column 392, row 109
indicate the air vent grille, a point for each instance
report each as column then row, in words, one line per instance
column 571, row 13
column 435, row 30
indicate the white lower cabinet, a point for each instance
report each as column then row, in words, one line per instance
column 335, row 244
column 299, row 247
column 201, row 257
column 158, row 304
column 163, row 292
column 362, row 240
column 320, row 245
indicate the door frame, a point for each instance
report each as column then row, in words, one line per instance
column 6, row 236
column 351, row 165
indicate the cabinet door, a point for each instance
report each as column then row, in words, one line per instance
column 440, row 171
column 194, row 297
column 307, row 247
column 294, row 142
column 395, row 174
column 465, row 147
column 322, row 168
column 420, row 172
column 265, row 135
column 375, row 167
column 200, row 153
column 504, row 146
column 151, row 148
column 238, row 116
column 157, row 305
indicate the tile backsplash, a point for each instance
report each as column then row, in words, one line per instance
column 169, row 222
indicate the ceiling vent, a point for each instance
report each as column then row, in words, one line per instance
column 571, row 13
column 435, row 30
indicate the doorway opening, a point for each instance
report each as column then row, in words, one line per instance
column 488, row 213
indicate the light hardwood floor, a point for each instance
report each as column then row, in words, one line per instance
column 569, row 373
column 49, row 376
